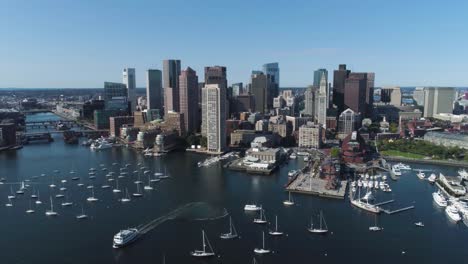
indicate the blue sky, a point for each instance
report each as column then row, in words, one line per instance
column 69, row 43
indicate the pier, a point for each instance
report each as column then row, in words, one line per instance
column 397, row 210
column 386, row 202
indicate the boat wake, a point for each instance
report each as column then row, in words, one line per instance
column 196, row 211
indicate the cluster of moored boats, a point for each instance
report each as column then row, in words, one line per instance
column 213, row 160
column 377, row 182
column 455, row 208
column 60, row 188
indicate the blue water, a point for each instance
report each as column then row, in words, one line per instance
column 38, row 239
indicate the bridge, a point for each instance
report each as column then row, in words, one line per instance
column 46, row 124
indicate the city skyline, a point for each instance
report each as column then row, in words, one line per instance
column 75, row 40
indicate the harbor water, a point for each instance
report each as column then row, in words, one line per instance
column 36, row 238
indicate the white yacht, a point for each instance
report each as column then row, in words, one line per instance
column 276, row 232
column 101, row 145
column 293, row 156
column 126, row 199
column 375, row 227
column 232, row 231
column 421, row 175
column 439, row 199
column 403, row 166
column 262, row 250
column 125, row 237
column 82, row 215
column 396, row 170
column 204, row 252
column 252, row 207
column 92, row 198
column 432, row 178
column 453, row 213
column 463, row 174
column 138, row 193
column 419, row 224
column 323, row 229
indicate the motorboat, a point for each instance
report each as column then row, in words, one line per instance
column 396, row 170
column 125, row 237
column 463, row 174
column 439, row 199
column 375, row 227
column 204, row 252
column 252, row 207
column 421, row 175
column 403, row 166
column 419, row 224
column 453, row 213
column 432, row 178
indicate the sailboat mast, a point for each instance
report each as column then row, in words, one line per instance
column 230, row 225
column 276, row 223
column 263, row 239
column 204, row 245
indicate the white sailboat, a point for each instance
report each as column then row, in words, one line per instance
column 92, row 198
column 38, row 201
column 51, row 212
column 275, row 232
column 9, row 204
column 204, row 252
column 126, row 199
column 323, row 228
column 262, row 250
column 148, row 187
column 30, row 210
column 262, row 219
column 12, row 195
column 82, row 215
column 116, row 189
column 375, row 227
column 67, row 203
column 165, row 175
column 138, row 193
column 232, row 231
column 290, row 201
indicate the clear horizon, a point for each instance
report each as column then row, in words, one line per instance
column 57, row 44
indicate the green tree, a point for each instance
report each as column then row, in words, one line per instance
column 393, row 128
column 335, row 152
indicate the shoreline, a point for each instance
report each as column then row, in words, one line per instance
column 428, row 161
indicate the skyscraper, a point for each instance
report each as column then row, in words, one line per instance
column 309, row 101
column 115, row 95
column 438, row 100
column 355, row 93
column 261, row 90
column 214, row 104
column 216, row 75
column 391, row 95
column 318, row 76
column 272, row 70
column 322, row 102
column 339, row 78
column 370, row 93
column 237, row 89
column 130, row 83
column 154, row 95
column 348, row 122
column 188, row 102
column 171, row 72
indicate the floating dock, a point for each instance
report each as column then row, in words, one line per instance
column 398, row 210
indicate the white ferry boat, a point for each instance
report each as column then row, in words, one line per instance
column 125, row 237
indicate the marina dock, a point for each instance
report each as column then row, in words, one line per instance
column 398, row 210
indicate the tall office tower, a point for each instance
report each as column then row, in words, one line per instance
column 130, row 82
column 418, row 96
column 273, row 70
column 237, row 89
column 115, row 95
column 339, row 78
column 355, row 93
column 309, row 101
column 322, row 102
column 216, row 75
column 261, row 90
column 391, row 95
column 370, row 93
column 171, row 72
column 214, row 104
column 154, row 94
column 438, row 100
column 318, row 76
column 188, row 85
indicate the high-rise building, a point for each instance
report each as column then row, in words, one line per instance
column 237, row 89
column 339, row 78
column 214, row 116
column 171, row 72
column 418, row 96
column 310, row 136
column 272, row 70
column 154, row 95
column 322, row 102
column 348, row 122
column 261, row 90
column 438, row 100
column 130, row 83
column 309, row 101
column 216, row 75
column 370, row 93
column 355, row 92
column 188, row 88
column 391, row 95
column 318, row 76
column 115, row 95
